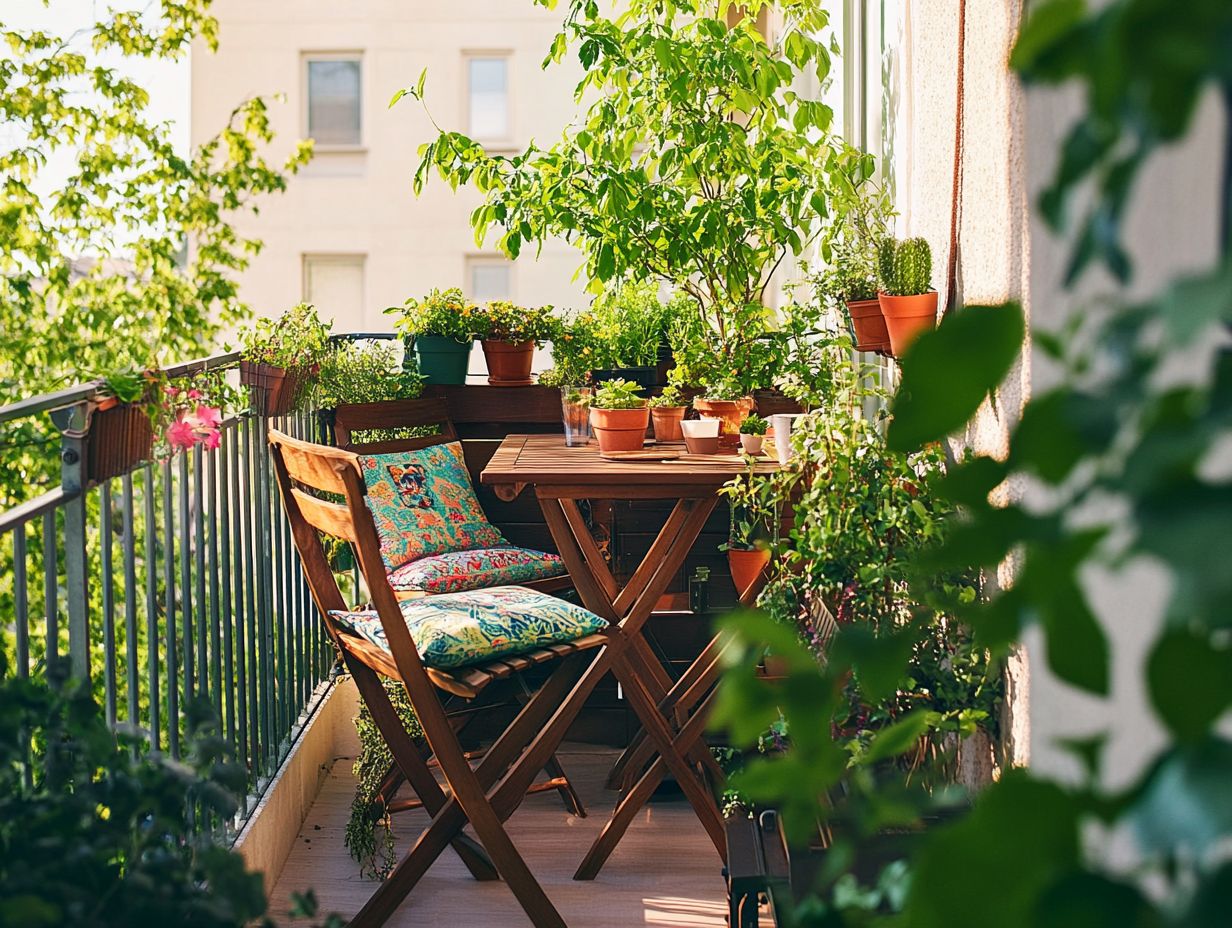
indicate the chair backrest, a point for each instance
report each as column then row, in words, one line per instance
column 306, row 472
column 350, row 418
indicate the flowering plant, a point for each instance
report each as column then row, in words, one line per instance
column 192, row 409
column 443, row 313
column 503, row 321
column 296, row 340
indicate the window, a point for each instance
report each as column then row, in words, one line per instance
column 487, row 81
column 335, row 285
column 489, row 279
column 334, row 99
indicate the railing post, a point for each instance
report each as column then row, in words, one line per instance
column 72, row 480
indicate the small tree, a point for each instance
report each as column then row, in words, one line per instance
column 696, row 162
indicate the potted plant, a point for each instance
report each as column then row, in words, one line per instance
column 619, row 416
column 667, row 412
column 753, row 501
column 753, row 434
column 860, row 213
column 278, row 357
column 907, row 299
column 440, row 330
column 624, row 331
column 510, row 334
column 728, row 402
column 575, row 409
column 120, row 429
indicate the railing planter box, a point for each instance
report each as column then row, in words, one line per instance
column 274, row 390
column 120, row 437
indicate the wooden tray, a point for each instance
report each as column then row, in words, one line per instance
column 648, row 455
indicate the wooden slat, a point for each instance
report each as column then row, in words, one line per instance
column 312, row 465
column 329, row 518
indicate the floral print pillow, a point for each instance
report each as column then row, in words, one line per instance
column 423, row 504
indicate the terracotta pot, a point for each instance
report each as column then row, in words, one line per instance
column 730, row 414
column 868, row 325
column 509, row 362
column 667, row 421
column 620, row 429
column 746, row 567
column 751, row 444
column 775, row 666
column 906, row 317
column 120, row 437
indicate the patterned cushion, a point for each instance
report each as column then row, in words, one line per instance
column 456, row 571
column 423, row 503
column 455, row 629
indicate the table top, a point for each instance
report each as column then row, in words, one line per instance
column 545, row 461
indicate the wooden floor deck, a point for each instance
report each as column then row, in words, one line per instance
column 665, row 872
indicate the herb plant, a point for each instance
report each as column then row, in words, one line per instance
column 754, row 425
column 617, row 394
column 364, row 372
column 443, row 313
column 670, row 398
column 296, row 340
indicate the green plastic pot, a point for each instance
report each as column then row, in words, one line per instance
column 441, row 359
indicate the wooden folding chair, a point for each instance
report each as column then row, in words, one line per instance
column 351, row 420
column 483, row 796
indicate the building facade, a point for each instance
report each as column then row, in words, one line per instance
column 349, row 234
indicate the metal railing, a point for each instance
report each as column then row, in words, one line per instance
column 174, row 582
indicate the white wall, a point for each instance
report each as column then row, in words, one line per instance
column 362, row 202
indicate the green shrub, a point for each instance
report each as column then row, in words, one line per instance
column 754, row 425
column 365, row 372
column 503, row 321
column 443, row 313
column 297, row 339
column 618, row 394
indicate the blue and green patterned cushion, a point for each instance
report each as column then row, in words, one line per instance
column 423, row 504
column 455, row 629
column 455, row 571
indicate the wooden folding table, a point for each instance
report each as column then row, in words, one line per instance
column 561, row 476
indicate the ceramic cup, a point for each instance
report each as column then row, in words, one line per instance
column 781, row 423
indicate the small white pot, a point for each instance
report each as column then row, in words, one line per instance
column 752, row 443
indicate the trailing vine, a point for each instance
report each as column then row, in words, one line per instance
column 369, row 832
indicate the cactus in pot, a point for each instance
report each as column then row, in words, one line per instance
column 908, row 302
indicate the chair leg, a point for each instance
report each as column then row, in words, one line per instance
column 553, row 768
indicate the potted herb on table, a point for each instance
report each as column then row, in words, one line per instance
column 439, row 330
column 728, row 402
column 753, row 434
column 279, row 356
column 907, row 299
column 753, row 501
column 619, row 416
column 509, row 335
column 667, row 412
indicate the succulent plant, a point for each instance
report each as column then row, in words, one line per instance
column 905, row 268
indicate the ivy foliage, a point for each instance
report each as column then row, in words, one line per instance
column 696, row 161
column 1128, row 469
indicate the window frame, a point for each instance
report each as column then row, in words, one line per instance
column 495, row 142
column 491, row 260
column 306, row 58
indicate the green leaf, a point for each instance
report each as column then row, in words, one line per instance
column 898, row 738
column 1190, row 682
column 948, row 372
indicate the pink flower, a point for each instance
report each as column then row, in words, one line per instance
column 208, row 417
column 181, row 434
column 213, row 438
column 194, row 394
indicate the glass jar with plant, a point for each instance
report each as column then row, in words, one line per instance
column 280, row 356
column 753, row 434
column 727, row 401
column 440, row 329
column 575, row 407
column 619, row 416
column 667, row 412
column 860, row 214
column 509, row 336
column 907, row 298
